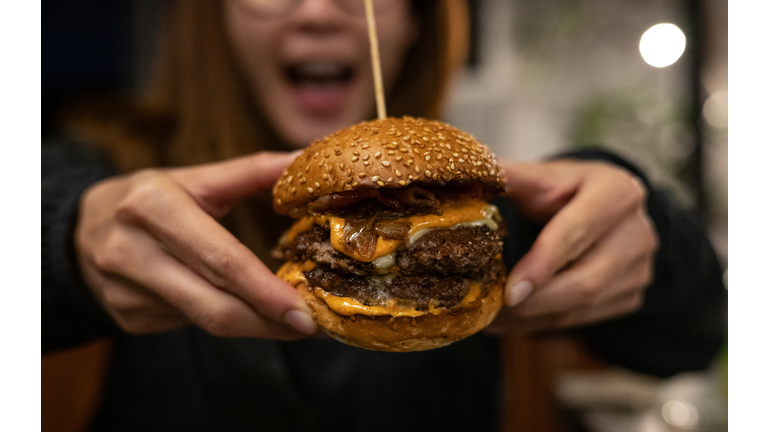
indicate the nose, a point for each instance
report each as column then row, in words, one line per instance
column 318, row 16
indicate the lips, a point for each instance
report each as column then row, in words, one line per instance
column 320, row 87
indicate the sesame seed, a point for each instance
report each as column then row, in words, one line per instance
column 461, row 160
column 380, row 183
column 417, row 169
column 354, row 184
column 427, row 158
column 362, row 175
column 398, row 173
column 310, row 190
column 385, row 163
column 428, row 173
column 317, row 185
column 355, row 158
column 356, row 153
column 366, row 163
column 377, row 155
column 279, row 201
column 402, row 182
column 389, row 180
column 455, row 155
column 410, row 177
column 406, row 138
column 390, row 152
column 366, row 157
column 375, row 178
column 439, row 156
column 341, row 165
column 365, row 146
column 398, row 158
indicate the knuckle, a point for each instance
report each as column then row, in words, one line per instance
column 114, row 255
column 220, row 320
column 586, row 292
column 131, row 324
column 147, row 186
column 120, row 300
column 220, row 267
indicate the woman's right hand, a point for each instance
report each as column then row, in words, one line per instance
column 153, row 253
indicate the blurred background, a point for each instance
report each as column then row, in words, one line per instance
column 543, row 76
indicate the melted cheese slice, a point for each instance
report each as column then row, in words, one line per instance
column 470, row 212
column 293, row 273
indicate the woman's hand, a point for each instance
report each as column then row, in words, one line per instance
column 594, row 257
column 155, row 257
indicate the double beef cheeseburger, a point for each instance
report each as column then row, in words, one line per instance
column 395, row 246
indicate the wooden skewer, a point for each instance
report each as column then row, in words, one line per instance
column 381, row 106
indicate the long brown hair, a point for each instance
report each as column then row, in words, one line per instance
column 199, row 108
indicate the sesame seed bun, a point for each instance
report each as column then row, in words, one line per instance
column 404, row 334
column 389, row 153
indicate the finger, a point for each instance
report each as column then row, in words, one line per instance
column 177, row 288
column 600, row 203
column 619, row 262
column 216, row 186
column 134, row 308
column 200, row 242
column 538, row 189
column 512, row 324
column 216, row 311
column 614, row 308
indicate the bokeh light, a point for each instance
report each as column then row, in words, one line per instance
column 662, row 44
column 680, row 414
column 716, row 110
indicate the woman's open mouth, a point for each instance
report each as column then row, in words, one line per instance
column 320, row 87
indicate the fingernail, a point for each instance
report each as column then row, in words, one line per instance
column 301, row 321
column 518, row 292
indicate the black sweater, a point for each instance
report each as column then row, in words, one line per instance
column 187, row 380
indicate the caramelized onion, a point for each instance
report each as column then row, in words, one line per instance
column 341, row 200
column 358, row 236
column 413, row 196
column 392, row 229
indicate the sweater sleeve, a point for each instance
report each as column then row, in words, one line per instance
column 70, row 315
column 683, row 321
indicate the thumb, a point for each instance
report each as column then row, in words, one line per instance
column 216, row 186
column 539, row 189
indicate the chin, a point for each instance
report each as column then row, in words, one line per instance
column 395, row 246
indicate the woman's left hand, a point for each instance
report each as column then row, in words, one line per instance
column 594, row 256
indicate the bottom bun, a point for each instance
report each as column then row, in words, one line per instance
column 404, row 334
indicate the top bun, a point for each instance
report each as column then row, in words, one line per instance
column 389, row 153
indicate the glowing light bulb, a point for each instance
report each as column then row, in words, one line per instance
column 662, row 44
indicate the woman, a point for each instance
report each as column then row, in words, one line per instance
column 239, row 84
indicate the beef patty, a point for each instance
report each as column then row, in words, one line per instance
column 443, row 251
column 420, row 288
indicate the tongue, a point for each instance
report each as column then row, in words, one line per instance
column 320, row 98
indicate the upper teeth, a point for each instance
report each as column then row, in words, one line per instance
column 320, row 68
